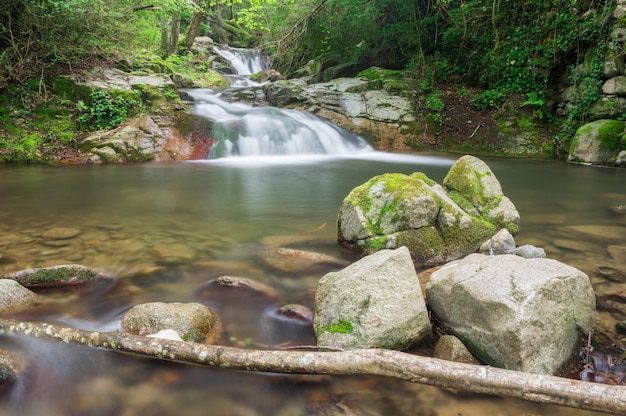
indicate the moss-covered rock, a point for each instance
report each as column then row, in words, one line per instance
column 437, row 224
column 597, row 142
column 56, row 276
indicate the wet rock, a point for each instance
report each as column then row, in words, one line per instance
column 511, row 312
column 451, row 348
column 58, row 276
column 530, row 252
column 501, row 243
column 15, row 297
column 291, row 324
column 60, row 233
column 374, row 302
column 10, row 366
column 243, row 285
column 619, row 209
column 611, row 273
column 289, row 260
column 192, row 321
column 297, row 313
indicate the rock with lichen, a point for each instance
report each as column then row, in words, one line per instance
column 192, row 321
column 437, row 223
column 512, row 312
column 375, row 302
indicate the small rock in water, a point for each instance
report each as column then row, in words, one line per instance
column 57, row 276
column 60, row 233
column 501, row 243
column 242, row 284
column 451, row 348
column 530, row 252
column 619, row 208
column 296, row 312
column 289, row 260
column 194, row 321
column 611, row 273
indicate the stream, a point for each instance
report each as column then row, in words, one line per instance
column 167, row 229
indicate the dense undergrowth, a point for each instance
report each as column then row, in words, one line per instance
column 495, row 48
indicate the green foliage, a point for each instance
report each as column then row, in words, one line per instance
column 538, row 102
column 104, row 111
column 436, row 105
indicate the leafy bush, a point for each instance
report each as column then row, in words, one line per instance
column 104, row 111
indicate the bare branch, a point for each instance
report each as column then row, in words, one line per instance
column 417, row 369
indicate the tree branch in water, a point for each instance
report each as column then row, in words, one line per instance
column 417, row 369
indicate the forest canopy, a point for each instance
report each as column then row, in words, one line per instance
column 501, row 46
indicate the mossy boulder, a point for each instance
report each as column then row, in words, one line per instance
column 597, row 142
column 437, row 223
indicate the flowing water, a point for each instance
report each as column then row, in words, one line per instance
column 167, row 229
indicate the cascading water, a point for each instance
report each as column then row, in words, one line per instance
column 242, row 130
column 243, row 61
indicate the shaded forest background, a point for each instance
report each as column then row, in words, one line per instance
column 498, row 47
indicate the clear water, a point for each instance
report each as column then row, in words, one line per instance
column 167, row 229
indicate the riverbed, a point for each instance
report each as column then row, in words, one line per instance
column 167, row 229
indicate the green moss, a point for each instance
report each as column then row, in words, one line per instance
column 61, row 275
column 341, row 327
column 610, row 134
column 374, row 73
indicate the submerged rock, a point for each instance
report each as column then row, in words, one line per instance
column 437, row 224
column 243, row 285
column 192, row 321
column 374, row 302
column 288, row 260
column 60, row 233
column 511, row 312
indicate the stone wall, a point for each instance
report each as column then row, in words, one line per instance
column 601, row 140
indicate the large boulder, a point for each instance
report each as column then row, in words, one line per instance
column 436, row 223
column 192, row 321
column 141, row 139
column 374, row 302
column 596, row 142
column 511, row 312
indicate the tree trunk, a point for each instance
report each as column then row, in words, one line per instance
column 193, row 29
column 164, row 37
column 417, row 369
column 174, row 33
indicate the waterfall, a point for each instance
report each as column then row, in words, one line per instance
column 243, row 130
column 243, row 61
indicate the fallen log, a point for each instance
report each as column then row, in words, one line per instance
column 417, row 369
